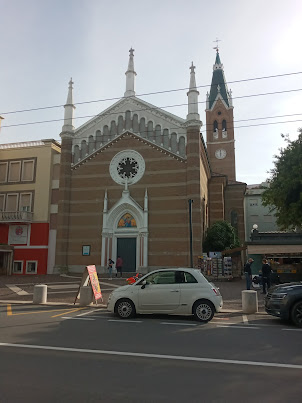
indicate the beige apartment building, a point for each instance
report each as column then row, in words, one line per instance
column 29, row 183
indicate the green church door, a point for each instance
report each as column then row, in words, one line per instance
column 126, row 249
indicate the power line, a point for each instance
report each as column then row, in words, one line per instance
column 145, row 109
column 151, row 93
column 184, row 132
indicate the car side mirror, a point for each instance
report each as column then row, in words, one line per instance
column 144, row 283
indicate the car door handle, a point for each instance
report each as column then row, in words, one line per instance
column 174, row 290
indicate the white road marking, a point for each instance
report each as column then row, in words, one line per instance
column 112, row 285
column 16, row 289
column 293, row 330
column 93, row 311
column 62, row 286
column 74, row 317
column 125, row 320
column 245, row 319
column 63, row 282
column 238, row 327
column 159, row 356
column 178, row 324
column 98, row 317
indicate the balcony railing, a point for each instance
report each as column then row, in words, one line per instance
column 16, row 216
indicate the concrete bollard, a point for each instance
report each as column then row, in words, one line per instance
column 40, row 294
column 85, row 296
column 249, row 301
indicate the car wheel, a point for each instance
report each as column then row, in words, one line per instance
column 203, row 310
column 296, row 314
column 125, row 308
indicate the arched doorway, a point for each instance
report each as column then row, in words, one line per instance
column 125, row 234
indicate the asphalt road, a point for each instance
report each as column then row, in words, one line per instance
column 88, row 355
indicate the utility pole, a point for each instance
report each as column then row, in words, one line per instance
column 190, row 201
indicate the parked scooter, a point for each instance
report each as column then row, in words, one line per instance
column 133, row 279
column 257, row 280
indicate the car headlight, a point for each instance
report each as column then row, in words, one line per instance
column 279, row 296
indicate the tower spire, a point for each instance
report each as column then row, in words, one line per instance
column 193, row 97
column 130, row 75
column 218, row 86
column 69, row 109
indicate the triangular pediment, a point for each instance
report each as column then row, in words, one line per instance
column 129, row 134
column 133, row 115
column 135, row 106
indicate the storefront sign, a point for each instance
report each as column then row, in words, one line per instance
column 94, row 280
column 17, row 235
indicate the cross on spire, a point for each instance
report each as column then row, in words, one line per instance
column 131, row 51
column 192, row 68
column 217, row 47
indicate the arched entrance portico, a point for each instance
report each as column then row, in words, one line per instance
column 131, row 239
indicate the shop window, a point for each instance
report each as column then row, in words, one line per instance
column 18, row 267
column 31, row 267
column 11, row 202
column 28, row 170
column 3, row 172
column 14, row 171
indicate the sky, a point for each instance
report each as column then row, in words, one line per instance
column 45, row 42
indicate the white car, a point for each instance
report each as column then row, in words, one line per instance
column 179, row 291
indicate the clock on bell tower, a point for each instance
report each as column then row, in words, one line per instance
column 220, row 124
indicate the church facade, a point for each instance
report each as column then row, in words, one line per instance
column 140, row 183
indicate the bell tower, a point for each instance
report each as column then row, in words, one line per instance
column 220, row 124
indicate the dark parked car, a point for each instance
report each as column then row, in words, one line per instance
column 285, row 301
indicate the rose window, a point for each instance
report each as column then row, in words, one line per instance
column 127, row 167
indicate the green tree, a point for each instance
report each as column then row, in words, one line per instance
column 220, row 236
column 284, row 195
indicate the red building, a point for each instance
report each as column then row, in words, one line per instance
column 29, row 175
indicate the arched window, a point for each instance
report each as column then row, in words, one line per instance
column 224, row 125
column 215, row 124
column 76, row 155
column 90, row 144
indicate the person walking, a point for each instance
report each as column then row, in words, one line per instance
column 119, row 266
column 110, row 268
column 248, row 273
column 266, row 276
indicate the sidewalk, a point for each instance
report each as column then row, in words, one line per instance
column 230, row 290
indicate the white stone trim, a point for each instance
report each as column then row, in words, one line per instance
column 55, row 184
column 126, row 204
column 118, row 158
column 53, row 208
